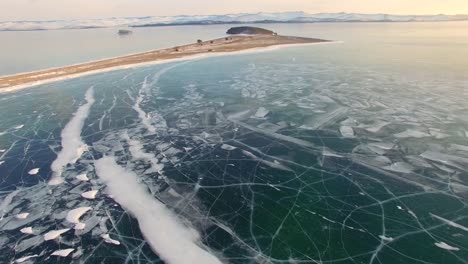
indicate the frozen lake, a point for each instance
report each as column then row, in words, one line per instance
column 352, row 152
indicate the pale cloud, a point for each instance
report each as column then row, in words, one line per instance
column 79, row 9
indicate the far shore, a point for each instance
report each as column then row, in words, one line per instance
column 224, row 45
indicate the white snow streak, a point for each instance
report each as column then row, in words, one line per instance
column 450, row 223
column 170, row 239
column 72, row 144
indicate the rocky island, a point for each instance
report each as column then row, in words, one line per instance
column 259, row 39
column 249, row 31
column 124, row 32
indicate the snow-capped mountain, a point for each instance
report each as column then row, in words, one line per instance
column 283, row 17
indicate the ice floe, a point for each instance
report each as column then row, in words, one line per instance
column 109, row 240
column 347, row 131
column 385, row 238
column 262, row 112
column 27, row 230
column 410, row 133
column 382, row 145
column 443, row 158
column 34, row 171
column 63, row 252
column 90, row 195
column 55, row 234
column 74, row 216
column 82, row 177
column 22, row 216
column 377, row 126
column 72, row 144
column 459, row 147
column 446, row 246
column 227, row 147
column 24, row 259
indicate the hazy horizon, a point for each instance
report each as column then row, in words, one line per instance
column 33, row 10
column 213, row 14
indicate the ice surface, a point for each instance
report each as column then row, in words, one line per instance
column 322, row 168
column 450, row 223
column 375, row 128
column 402, row 167
column 4, row 206
column 29, row 243
column 410, row 133
column 459, row 147
column 443, row 158
column 326, row 119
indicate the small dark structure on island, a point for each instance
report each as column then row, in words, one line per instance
column 199, row 41
column 124, row 32
column 250, row 31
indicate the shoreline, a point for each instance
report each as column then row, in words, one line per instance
column 211, row 48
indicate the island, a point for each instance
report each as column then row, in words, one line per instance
column 124, row 32
column 249, row 31
column 199, row 47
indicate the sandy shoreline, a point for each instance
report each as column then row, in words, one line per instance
column 216, row 47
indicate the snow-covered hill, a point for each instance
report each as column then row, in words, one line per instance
column 283, row 17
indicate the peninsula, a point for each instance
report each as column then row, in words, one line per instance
column 221, row 45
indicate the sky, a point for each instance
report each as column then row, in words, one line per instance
column 84, row 9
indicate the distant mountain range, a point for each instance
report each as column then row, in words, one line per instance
column 283, row 17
